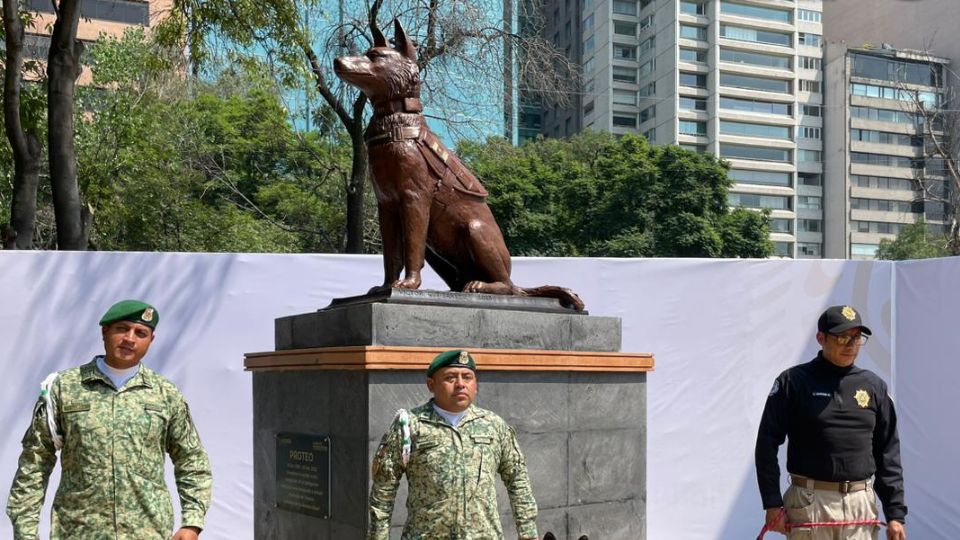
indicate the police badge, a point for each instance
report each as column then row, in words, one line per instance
column 849, row 313
column 863, row 398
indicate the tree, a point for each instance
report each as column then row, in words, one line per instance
column 914, row 242
column 63, row 68
column 594, row 194
column 24, row 141
column 457, row 41
column 177, row 165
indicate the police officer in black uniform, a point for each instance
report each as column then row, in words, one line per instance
column 842, row 444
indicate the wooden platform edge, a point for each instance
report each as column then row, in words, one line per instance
column 380, row 358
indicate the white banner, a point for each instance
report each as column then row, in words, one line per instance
column 721, row 331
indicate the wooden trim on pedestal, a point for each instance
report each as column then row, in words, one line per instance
column 380, row 357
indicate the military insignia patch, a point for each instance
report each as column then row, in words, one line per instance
column 147, row 314
column 849, row 313
column 464, row 357
column 863, row 398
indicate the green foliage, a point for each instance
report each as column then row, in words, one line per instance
column 598, row 195
column 914, row 242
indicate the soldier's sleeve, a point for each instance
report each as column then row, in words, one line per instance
column 770, row 435
column 191, row 466
column 387, row 469
column 888, row 481
column 513, row 471
column 37, row 460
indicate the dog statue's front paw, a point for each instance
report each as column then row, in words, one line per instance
column 412, row 282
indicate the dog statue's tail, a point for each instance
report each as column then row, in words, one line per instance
column 567, row 298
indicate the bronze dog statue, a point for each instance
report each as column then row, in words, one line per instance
column 431, row 207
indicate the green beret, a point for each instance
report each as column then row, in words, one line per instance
column 133, row 311
column 454, row 358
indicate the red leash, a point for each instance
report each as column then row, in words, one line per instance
column 789, row 526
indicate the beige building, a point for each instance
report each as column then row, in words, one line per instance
column 737, row 78
column 110, row 17
column 875, row 137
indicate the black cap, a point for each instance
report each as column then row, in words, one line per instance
column 839, row 319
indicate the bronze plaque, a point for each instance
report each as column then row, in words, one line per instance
column 303, row 473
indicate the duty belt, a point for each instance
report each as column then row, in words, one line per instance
column 842, row 487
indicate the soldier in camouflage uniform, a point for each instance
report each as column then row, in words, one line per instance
column 451, row 452
column 113, row 420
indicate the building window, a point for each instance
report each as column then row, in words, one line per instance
column 807, row 132
column 624, row 28
column 809, row 249
column 648, row 45
column 121, row 11
column 648, row 90
column 811, row 110
column 692, row 104
column 624, row 74
column 696, row 148
column 808, row 202
column 692, row 127
column 754, row 58
column 875, row 67
column 886, row 205
column 864, row 250
column 588, row 108
column 809, row 179
column 883, row 182
column 756, row 153
column 698, row 33
column 885, row 137
column 765, row 178
column 749, row 105
column 781, row 225
column 755, row 83
column 761, row 202
column 588, row 44
column 696, row 80
column 810, row 156
column 884, row 115
column 624, row 52
column 588, row 23
column 648, row 114
column 883, row 160
column 745, row 129
column 646, row 22
column 588, row 66
column 810, row 86
column 624, row 121
column 693, row 55
column 811, row 225
column 692, row 8
column 810, row 40
column 624, row 97
column 650, row 135
column 625, row 7
column 810, row 62
column 754, row 12
column 808, row 15
column 647, row 68
column 783, row 249
column 740, row 33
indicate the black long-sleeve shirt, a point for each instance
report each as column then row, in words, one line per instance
column 840, row 424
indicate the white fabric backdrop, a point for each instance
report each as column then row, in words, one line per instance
column 721, row 331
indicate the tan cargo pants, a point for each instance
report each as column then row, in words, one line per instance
column 805, row 505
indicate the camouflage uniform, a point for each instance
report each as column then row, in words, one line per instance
column 451, row 478
column 112, row 461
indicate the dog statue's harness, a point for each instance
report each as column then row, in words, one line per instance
column 446, row 167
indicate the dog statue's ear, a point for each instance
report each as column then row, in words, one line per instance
column 402, row 43
column 378, row 39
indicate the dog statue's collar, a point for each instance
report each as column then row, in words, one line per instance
column 409, row 105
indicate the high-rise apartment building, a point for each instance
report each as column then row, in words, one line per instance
column 877, row 137
column 738, row 78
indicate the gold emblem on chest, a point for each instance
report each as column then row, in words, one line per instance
column 863, row 398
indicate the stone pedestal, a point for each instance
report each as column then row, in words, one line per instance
column 578, row 405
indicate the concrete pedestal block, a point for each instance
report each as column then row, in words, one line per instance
column 580, row 416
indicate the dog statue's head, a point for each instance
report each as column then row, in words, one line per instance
column 383, row 72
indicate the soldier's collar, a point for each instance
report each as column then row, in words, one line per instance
column 89, row 372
